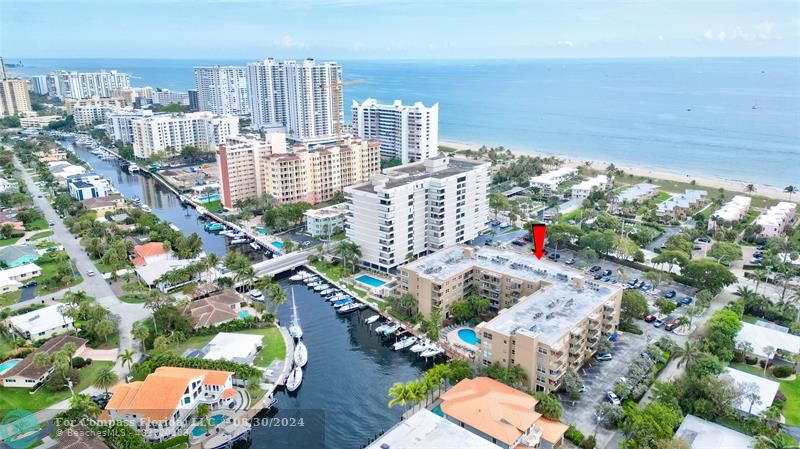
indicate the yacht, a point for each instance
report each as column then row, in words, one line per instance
column 431, row 351
column 300, row 355
column 313, row 284
column 321, row 287
column 254, row 245
column 404, row 343
column 394, row 327
column 343, row 303
column 311, row 279
column 372, row 319
column 420, row 346
column 328, row 291
column 295, row 379
column 239, row 241
column 352, row 307
column 294, row 329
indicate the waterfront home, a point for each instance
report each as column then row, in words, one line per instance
column 149, row 252
column 730, row 213
column 585, row 188
column 41, row 323
column 102, row 205
column 26, row 374
column 231, row 346
column 217, row 308
column 547, row 183
column 765, row 390
column 79, row 437
column 682, row 205
column 16, row 255
column 775, row 219
column 63, row 169
column 701, row 434
column 761, row 337
column 500, row 414
column 325, row 221
column 162, row 406
column 151, row 274
column 425, row 429
column 638, row 193
column 52, row 155
column 89, row 185
column 11, row 279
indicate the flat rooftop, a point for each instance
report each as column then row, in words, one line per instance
column 702, row 434
column 439, row 167
column 637, row 191
column 425, row 429
column 547, row 313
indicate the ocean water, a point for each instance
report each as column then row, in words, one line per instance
column 734, row 118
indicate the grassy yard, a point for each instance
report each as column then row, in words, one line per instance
column 332, row 271
column 7, row 299
column 213, row 206
column 9, row 242
column 680, row 187
column 273, row 346
column 791, row 388
column 13, row 398
column 41, row 235
column 134, row 298
column 5, row 345
column 749, row 319
column 37, row 225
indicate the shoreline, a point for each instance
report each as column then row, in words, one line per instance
column 736, row 186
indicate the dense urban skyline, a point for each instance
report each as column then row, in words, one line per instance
column 380, row 29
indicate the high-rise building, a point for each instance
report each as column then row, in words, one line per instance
column 114, row 102
column 301, row 96
column 550, row 318
column 407, row 133
column 38, row 84
column 418, row 208
column 171, row 132
column 194, row 102
column 92, row 114
column 250, row 167
column 222, row 89
column 14, row 97
column 80, row 85
column 118, row 123
column 167, row 97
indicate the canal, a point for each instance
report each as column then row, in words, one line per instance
column 342, row 401
column 163, row 203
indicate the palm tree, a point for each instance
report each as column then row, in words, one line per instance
column 41, row 359
column 417, row 391
column 126, row 357
column 264, row 283
column 769, row 351
column 276, row 297
column 141, row 332
column 210, row 262
column 750, row 188
column 400, row 395
column 105, row 378
column 202, row 415
column 791, row 190
column 688, row 354
column 245, row 275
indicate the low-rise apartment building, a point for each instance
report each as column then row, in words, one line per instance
column 775, row 219
column 548, row 183
column 326, row 221
column 92, row 114
column 550, row 319
column 637, row 193
column 733, row 211
column 250, row 167
column 585, row 188
column 171, row 132
column 682, row 205
column 38, row 121
column 417, row 208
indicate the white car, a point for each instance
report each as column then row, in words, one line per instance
column 90, row 273
column 255, row 294
column 613, row 398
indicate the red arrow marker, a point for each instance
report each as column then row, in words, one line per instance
column 539, row 230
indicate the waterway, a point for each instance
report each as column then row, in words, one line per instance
column 163, row 203
column 342, row 401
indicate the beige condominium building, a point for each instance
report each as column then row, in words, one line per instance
column 114, row 102
column 251, row 166
column 417, row 208
column 14, row 97
column 171, row 132
column 550, row 318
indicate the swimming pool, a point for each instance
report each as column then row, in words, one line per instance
column 213, row 421
column 468, row 336
column 8, row 364
column 278, row 245
column 369, row 280
column 244, row 314
column 208, row 199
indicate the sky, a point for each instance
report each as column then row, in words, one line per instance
column 412, row 29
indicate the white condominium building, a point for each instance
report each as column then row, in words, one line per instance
column 116, row 102
column 408, row 133
column 250, row 167
column 547, row 183
column 78, row 85
column 92, row 114
column 417, row 208
column 14, row 97
column 302, row 96
column 775, row 219
column 585, row 188
column 166, row 97
column 118, row 123
column 171, row 132
column 733, row 211
column 222, row 89
column 38, row 84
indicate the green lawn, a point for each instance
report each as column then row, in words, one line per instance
column 273, row 347
column 9, row 242
column 5, row 345
column 213, row 206
column 7, row 299
column 749, row 319
column 49, row 271
column 19, row 398
column 791, row 388
column 196, row 342
column 133, row 298
column 660, row 198
column 332, row 271
column 37, row 225
column 41, row 235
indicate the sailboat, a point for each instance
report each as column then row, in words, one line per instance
column 300, row 354
column 294, row 329
column 294, row 379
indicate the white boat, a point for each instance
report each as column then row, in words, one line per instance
column 432, row 351
column 239, row 241
column 338, row 297
column 392, row 328
column 300, row 355
column 227, row 232
column 328, row 291
column 420, row 346
column 254, row 245
column 404, row 342
column 146, row 208
column 321, row 287
column 372, row 319
column 301, row 275
column 295, row 379
column 350, row 307
column 382, row 327
column 311, row 280
column 294, row 329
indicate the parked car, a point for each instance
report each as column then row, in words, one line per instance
column 613, row 398
column 30, row 284
column 704, row 239
column 649, row 318
column 255, row 294
column 671, row 325
column 697, row 247
column 90, row 273
column 670, row 294
column 554, row 256
column 519, row 242
column 570, row 261
column 598, row 276
column 607, row 273
column 633, row 282
column 658, row 323
column 686, row 300
column 604, row 357
column 595, row 268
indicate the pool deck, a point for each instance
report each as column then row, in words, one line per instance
column 455, row 340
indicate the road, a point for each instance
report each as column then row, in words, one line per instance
column 95, row 286
column 281, row 263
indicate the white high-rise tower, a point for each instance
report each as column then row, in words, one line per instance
column 222, row 89
column 406, row 132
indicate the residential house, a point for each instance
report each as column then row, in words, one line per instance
column 26, row 374
column 79, row 437
column 90, row 185
column 216, row 309
column 63, row 170
column 11, row 279
column 6, row 185
column 585, row 188
column 16, row 255
column 41, row 323
column 52, row 155
column 701, row 434
column 163, row 405
column 151, row 273
column 762, row 337
column 764, row 390
column 500, row 414
column 680, row 206
column 104, row 204
column 425, row 429
column 230, row 346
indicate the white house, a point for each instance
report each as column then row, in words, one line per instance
column 41, row 323
column 82, row 187
column 585, row 188
column 234, row 347
column 701, row 434
column 761, row 337
column 764, row 388
column 325, row 221
column 13, row 278
column 152, row 272
column 548, row 182
column 425, row 429
column 63, row 169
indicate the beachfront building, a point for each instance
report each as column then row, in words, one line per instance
column 14, row 97
column 41, row 323
column 417, row 208
column 775, row 219
column 637, row 193
column 583, row 189
column 325, row 221
column 169, row 133
column 78, row 85
column 251, row 166
column 222, row 89
column 549, row 318
column 119, row 123
column 548, row 183
column 304, row 97
column 407, row 133
column 730, row 213
column 163, row 405
column 701, row 434
column 11, row 279
column 26, row 374
column 501, row 414
column 112, row 102
column 167, row 97
column 682, row 205
column 89, row 185
column 92, row 114
column 425, row 429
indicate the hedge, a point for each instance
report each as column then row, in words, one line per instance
column 574, row 435
column 630, row 328
column 782, row 371
column 171, row 442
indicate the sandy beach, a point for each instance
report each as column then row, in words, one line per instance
column 767, row 191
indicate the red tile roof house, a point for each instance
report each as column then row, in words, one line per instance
column 149, row 252
column 27, row 375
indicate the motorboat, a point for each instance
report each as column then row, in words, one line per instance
column 313, row 284
column 311, row 279
column 338, row 297
column 391, row 329
column 296, row 331
column 295, row 379
column 239, row 241
column 404, row 342
column 343, row 303
column 256, row 294
column 372, row 319
column 352, row 307
column 382, row 327
column 328, row 291
column 301, row 275
column 228, row 233
column 431, row 351
column 321, row 287
column 420, row 345
column 300, row 355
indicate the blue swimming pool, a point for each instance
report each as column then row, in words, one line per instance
column 371, row 281
column 214, row 420
column 208, row 199
column 244, row 314
column 8, row 364
column 278, row 245
column 468, row 336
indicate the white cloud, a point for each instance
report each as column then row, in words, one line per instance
column 708, row 35
column 721, row 36
column 287, row 41
column 566, row 43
